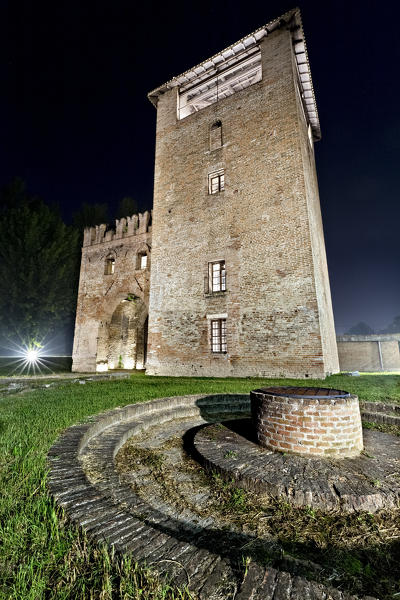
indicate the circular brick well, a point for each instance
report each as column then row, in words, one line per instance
column 311, row 421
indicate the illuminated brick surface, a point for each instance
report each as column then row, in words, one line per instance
column 266, row 225
column 316, row 426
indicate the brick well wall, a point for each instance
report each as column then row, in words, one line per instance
column 311, row 426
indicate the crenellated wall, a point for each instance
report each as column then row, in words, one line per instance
column 125, row 227
column 112, row 308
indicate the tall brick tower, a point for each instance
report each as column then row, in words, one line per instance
column 239, row 280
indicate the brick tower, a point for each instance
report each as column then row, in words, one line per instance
column 239, row 281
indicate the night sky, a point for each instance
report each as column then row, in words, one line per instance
column 77, row 126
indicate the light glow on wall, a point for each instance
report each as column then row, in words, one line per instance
column 129, row 363
column 101, row 367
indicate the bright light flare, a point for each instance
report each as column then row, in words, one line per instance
column 32, row 356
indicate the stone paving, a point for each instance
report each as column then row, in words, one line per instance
column 368, row 482
column 21, row 384
column 109, row 506
column 381, row 413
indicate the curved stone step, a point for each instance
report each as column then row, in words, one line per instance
column 350, row 484
column 378, row 412
column 109, row 510
column 271, row 584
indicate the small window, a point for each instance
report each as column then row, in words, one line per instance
column 216, row 182
column 109, row 266
column 143, row 261
column 218, row 336
column 310, row 135
column 217, row 276
column 216, row 135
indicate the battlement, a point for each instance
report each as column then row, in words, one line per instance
column 125, row 227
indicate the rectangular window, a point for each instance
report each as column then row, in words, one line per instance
column 143, row 261
column 216, row 182
column 217, row 276
column 310, row 136
column 301, row 101
column 218, row 336
column 109, row 266
column 216, row 135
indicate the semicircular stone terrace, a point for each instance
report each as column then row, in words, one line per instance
column 369, row 482
column 192, row 550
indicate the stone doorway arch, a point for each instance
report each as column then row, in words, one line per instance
column 122, row 339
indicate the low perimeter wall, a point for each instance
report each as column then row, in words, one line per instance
column 369, row 352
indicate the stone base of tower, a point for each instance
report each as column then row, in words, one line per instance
column 221, row 368
column 83, row 364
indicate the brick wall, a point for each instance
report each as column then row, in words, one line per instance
column 266, row 225
column 316, row 232
column 313, row 426
column 112, row 308
column 369, row 353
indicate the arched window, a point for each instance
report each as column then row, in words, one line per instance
column 216, row 135
column 109, row 266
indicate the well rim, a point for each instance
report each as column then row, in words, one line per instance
column 311, row 393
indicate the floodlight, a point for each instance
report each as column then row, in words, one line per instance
column 32, row 356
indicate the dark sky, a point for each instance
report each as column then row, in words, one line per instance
column 76, row 124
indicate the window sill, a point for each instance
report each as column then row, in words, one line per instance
column 215, row 294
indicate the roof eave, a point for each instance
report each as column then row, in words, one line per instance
column 246, row 43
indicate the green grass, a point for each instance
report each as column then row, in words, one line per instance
column 384, row 427
column 41, row 556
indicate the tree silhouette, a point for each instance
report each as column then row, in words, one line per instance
column 39, row 262
column 394, row 326
column 126, row 208
column 14, row 194
column 360, row 329
column 90, row 215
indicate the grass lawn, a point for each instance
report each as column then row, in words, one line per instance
column 41, row 555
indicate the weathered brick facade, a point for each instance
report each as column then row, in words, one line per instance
column 265, row 224
column 235, row 184
column 111, row 319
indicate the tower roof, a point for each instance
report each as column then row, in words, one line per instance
column 245, row 47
